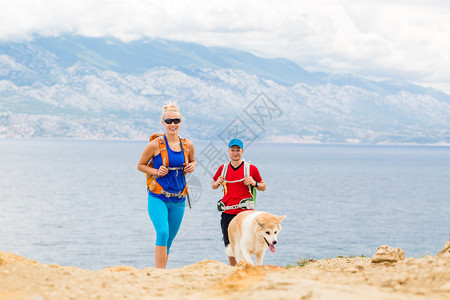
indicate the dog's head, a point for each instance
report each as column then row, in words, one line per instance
column 268, row 228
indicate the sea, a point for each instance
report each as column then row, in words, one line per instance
column 84, row 203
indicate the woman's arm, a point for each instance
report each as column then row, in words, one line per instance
column 149, row 152
column 191, row 156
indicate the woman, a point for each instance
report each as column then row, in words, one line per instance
column 166, row 200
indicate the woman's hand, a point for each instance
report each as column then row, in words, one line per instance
column 189, row 168
column 162, row 171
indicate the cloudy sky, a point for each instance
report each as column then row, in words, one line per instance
column 378, row 39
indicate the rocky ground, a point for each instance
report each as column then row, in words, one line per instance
column 391, row 277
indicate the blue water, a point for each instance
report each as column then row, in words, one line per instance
column 83, row 203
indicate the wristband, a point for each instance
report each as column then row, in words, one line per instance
column 256, row 185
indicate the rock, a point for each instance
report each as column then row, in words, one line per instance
column 445, row 252
column 389, row 254
column 445, row 287
column 350, row 269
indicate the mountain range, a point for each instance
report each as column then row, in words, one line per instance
column 103, row 88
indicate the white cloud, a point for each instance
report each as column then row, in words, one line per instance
column 405, row 40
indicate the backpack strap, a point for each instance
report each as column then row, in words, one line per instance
column 163, row 150
column 247, row 168
column 224, row 170
column 151, row 182
column 185, row 150
column 247, row 173
column 186, row 161
column 224, row 174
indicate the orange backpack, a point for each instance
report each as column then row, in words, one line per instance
column 152, row 184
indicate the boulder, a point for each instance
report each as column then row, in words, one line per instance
column 389, row 254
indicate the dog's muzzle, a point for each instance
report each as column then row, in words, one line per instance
column 271, row 246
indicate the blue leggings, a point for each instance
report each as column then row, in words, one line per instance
column 166, row 218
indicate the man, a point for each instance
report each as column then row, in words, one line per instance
column 236, row 187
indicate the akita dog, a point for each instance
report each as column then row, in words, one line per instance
column 251, row 232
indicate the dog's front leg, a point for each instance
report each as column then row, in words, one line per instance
column 247, row 256
column 237, row 253
column 259, row 257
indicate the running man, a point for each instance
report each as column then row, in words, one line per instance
column 238, row 184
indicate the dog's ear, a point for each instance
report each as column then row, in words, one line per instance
column 281, row 218
column 259, row 221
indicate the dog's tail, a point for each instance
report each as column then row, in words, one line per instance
column 229, row 250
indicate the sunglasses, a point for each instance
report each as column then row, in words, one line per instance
column 170, row 121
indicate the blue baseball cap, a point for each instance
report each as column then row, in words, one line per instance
column 236, row 142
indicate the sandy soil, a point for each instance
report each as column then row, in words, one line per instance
column 339, row 278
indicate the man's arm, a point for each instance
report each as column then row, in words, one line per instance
column 216, row 183
column 260, row 186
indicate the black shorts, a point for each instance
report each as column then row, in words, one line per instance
column 224, row 222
